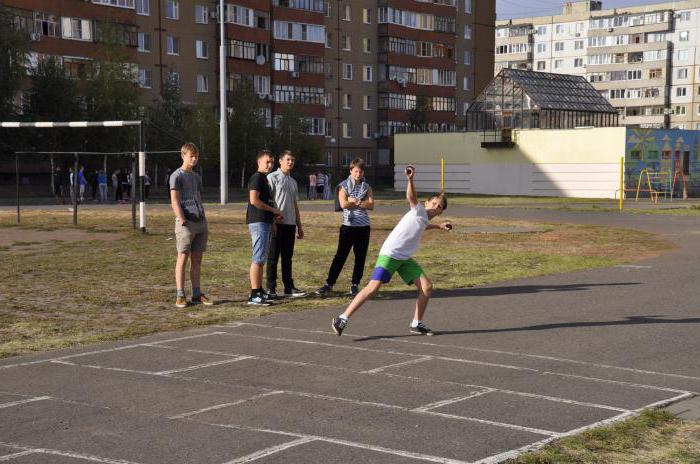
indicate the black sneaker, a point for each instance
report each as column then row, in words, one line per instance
column 293, row 293
column 354, row 290
column 325, row 290
column 339, row 325
column 421, row 329
column 271, row 294
column 259, row 300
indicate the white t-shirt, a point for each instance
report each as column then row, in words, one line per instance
column 403, row 241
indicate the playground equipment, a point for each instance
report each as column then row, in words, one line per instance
column 658, row 184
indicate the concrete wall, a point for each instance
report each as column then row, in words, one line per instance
column 583, row 163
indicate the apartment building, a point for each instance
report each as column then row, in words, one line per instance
column 643, row 59
column 356, row 69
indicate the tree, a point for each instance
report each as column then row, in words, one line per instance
column 247, row 133
column 53, row 97
column 292, row 133
column 166, row 118
column 13, row 47
column 418, row 117
column 202, row 128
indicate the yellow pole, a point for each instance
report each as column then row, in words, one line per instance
column 442, row 175
column 622, row 180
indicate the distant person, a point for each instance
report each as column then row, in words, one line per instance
column 311, row 194
column 82, row 183
column 191, row 228
column 395, row 256
column 58, row 185
column 124, row 180
column 284, row 191
column 356, row 198
column 320, row 184
column 102, row 184
column 327, row 187
column 260, row 215
column 146, row 185
column 94, row 182
column 71, row 178
column 117, row 186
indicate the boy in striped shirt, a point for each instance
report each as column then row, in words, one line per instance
column 395, row 256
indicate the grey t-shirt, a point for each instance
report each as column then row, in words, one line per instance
column 189, row 184
column 284, row 193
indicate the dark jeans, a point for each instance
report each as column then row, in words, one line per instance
column 357, row 239
column 281, row 244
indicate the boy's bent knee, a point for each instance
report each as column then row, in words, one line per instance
column 426, row 286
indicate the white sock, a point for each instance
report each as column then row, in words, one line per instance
column 343, row 317
column 415, row 323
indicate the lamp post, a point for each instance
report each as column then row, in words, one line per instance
column 223, row 120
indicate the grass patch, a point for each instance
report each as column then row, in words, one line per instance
column 654, row 437
column 67, row 293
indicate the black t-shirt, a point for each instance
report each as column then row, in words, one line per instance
column 258, row 181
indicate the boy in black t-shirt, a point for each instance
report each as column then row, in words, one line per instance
column 259, row 217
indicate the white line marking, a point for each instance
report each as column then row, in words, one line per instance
column 271, row 450
column 104, row 368
column 68, row 454
column 616, row 382
column 224, row 405
column 632, row 266
column 506, row 425
column 202, row 366
column 439, row 404
column 29, row 400
column 107, row 350
column 410, row 361
column 667, row 402
column 9, row 457
column 484, row 350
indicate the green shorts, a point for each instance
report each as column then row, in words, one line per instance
column 408, row 269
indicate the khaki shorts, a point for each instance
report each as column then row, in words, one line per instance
column 191, row 237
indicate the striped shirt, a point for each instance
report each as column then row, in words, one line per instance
column 355, row 217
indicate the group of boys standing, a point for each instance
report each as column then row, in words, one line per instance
column 274, row 224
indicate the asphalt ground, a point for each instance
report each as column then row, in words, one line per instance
column 512, row 366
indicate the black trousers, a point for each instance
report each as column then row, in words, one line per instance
column 281, row 245
column 357, row 239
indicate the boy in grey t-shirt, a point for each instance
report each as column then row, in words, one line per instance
column 191, row 228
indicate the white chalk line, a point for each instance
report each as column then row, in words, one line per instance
column 225, row 405
column 68, row 454
column 107, row 350
column 615, row 382
column 404, row 363
column 439, row 404
column 28, row 400
column 203, row 366
column 9, row 457
column 380, row 449
column 271, row 450
column 167, row 373
column 485, row 350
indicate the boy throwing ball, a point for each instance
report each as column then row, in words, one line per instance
column 395, row 256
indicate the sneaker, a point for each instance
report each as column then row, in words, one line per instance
column 325, row 290
column 421, row 329
column 293, row 293
column 203, row 299
column 354, row 290
column 339, row 325
column 181, row 302
column 259, row 300
column 271, row 294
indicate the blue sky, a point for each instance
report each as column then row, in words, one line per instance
column 506, row 9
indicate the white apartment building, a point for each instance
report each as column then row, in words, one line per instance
column 644, row 59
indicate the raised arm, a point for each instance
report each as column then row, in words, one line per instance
column 410, row 188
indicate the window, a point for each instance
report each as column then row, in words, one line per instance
column 366, row 130
column 241, row 49
column 172, row 9
column 174, row 78
column 467, row 84
column 347, row 101
column 201, row 14
column 467, row 31
column 76, row 29
column 578, row 45
column 559, row 29
column 680, row 110
column 202, row 49
column 298, row 31
column 347, row 71
column 468, row 6
column 120, row 3
column 683, row 55
column 467, row 57
column 347, row 131
column 367, row 102
column 143, row 7
column 347, row 13
column 367, row 45
column 558, row 46
column 47, row 24
column 655, row 74
column 172, row 45
column 202, row 83
column 682, row 73
column 558, row 64
column 367, row 16
column 145, row 78
column 347, row 42
column 541, row 48
column 541, row 30
column 684, row 36
column 684, row 16
column 144, row 42
column 578, row 62
column 681, row 91
column 634, row 75
column 540, row 65
column 367, row 73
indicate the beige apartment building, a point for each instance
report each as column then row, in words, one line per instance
column 643, row 59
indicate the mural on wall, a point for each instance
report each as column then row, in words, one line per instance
column 665, row 159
